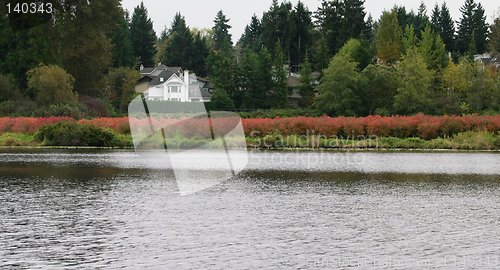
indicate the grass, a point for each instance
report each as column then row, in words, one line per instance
column 17, row 139
column 463, row 141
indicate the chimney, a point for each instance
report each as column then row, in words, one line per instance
column 142, row 67
column 159, row 63
column 186, row 82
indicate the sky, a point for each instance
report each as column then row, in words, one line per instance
column 201, row 13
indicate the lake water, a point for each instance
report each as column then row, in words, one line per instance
column 63, row 209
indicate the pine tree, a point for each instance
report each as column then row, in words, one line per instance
column 199, row 55
column 221, row 36
column 435, row 18
column 301, row 39
column 122, row 43
column 279, row 89
column 446, row 28
column 388, row 38
column 251, row 38
column 341, row 21
column 306, row 88
column 179, row 49
column 409, row 38
column 480, row 28
column 466, row 26
column 432, row 49
column 143, row 36
column 494, row 42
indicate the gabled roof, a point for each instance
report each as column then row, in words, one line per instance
column 165, row 75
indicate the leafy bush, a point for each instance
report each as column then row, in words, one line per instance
column 73, row 134
column 52, row 85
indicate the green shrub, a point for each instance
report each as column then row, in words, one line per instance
column 477, row 140
column 73, row 134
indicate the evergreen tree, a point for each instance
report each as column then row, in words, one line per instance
column 480, row 29
column 279, row 88
column 472, row 28
column 199, row 55
column 179, row 48
column 143, row 36
column 122, row 43
column 432, row 49
column 221, row 36
column 388, row 38
column 251, row 38
column 255, row 81
column 494, row 42
column 446, row 28
column 306, row 88
column 301, row 38
column 341, row 21
column 435, row 18
column 380, row 89
column 409, row 38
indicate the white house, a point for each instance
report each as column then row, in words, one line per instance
column 173, row 84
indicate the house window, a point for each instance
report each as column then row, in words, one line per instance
column 174, row 89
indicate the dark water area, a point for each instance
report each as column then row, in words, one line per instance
column 63, row 209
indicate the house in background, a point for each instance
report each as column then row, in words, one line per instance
column 293, row 84
column 172, row 84
column 487, row 60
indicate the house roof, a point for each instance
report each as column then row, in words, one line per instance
column 164, row 75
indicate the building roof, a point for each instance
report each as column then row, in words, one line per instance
column 155, row 75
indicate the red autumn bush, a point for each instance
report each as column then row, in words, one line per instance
column 423, row 126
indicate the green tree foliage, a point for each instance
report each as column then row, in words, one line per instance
column 307, row 91
column 409, row 38
column 388, row 38
column 340, row 88
column 381, row 84
column 179, row 48
column 251, row 38
column 221, row 36
column 86, row 48
column 120, row 87
column 143, row 36
column 255, row 79
column 52, row 85
column 221, row 100
column 279, row 88
column 222, row 66
column 432, row 48
column 415, row 83
column 341, row 20
column 199, row 55
column 472, row 28
column 123, row 54
column 8, row 89
column 22, row 49
column 446, row 28
column 359, row 51
column 494, row 42
column 301, row 36
column 419, row 20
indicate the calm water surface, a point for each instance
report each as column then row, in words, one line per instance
column 65, row 209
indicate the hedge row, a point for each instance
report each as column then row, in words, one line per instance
column 423, row 126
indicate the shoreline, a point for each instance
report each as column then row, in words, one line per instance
column 275, row 149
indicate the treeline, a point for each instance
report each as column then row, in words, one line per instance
column 398, row 64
